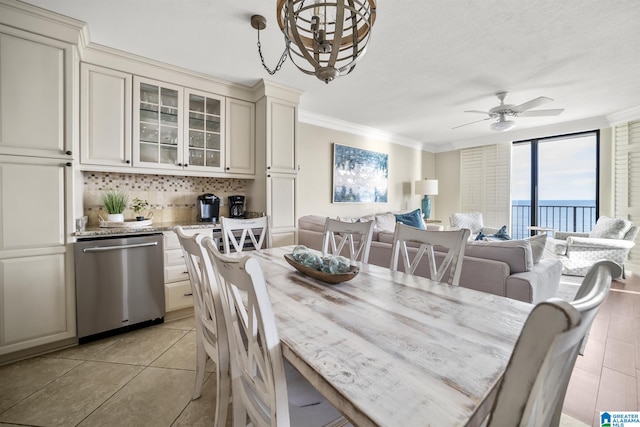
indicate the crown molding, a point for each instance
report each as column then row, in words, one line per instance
column 624, row 116
column 356, row 129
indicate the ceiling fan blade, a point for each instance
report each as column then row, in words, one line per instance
column 477, row 111
column 531, row 104
column 539, row 113
column 470, row 123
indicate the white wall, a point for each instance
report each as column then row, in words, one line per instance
column 315, row 157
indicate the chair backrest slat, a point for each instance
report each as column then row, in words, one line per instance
column 346, row 233
column 236, row 231
column 425, row 241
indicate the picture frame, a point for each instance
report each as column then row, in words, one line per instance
column 359, row 175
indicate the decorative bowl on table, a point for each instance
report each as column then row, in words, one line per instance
column 327, row 277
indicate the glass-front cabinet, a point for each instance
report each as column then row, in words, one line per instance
column 204, row 131
column 177, row 128
column 157, row 121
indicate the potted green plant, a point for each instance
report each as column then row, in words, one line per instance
column 115, row 202
column 139, row 205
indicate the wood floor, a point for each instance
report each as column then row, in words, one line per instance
column 607, row 377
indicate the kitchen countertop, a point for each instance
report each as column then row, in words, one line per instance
column 97, row 231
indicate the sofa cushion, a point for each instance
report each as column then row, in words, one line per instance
column 516, row 253
column 412, row 219
column 610, row 228
column 470, row 220
column 537, row 242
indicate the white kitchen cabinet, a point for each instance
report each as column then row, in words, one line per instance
column 105, row 116
column 35, row 73
column 177, row 287
column 281, row 147
column 158, row 128
column 274, row 189
column 37, row 299
column 240, row 137
column 204, row 131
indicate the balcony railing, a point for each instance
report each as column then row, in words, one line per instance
column 560, row 218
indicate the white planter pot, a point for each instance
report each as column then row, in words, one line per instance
column 115, row 218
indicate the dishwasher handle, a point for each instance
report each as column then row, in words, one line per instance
column 118, row 247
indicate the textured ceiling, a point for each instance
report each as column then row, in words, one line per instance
column 428, row 61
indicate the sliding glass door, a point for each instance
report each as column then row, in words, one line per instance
column 554, row 183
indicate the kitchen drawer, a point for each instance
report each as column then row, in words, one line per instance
column 171, row 238
column 177, row 295
column 173, row 257
column 175, row 273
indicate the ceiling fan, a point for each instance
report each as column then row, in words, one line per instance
column 503, row 111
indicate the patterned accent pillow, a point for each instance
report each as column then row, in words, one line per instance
column 471, row 220
column 538, row 242
column 610, row 228
column 385, row 222
column 498, row 235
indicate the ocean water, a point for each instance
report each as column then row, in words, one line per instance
column 561, row 215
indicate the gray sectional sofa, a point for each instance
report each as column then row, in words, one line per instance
column 505, row 268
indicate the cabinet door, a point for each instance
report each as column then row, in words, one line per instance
column 157, row 124
column 281, row 190
column 36, row 267
column 281, row 145
column 240, row 137
column 105, row 116
column 204, row 131
column 35, row 75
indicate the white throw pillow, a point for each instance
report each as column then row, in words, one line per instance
column 385, row 222
column 610, row 228
column 538, row 242
column 470, row 220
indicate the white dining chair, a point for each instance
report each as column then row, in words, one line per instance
column 535, row 382
column 356, row 235
column 235, row 232
column 265, row 390
column 424, row 241
column 211, row 333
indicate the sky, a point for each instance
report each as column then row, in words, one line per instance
column 567, row 170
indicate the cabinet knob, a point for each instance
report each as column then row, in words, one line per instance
column 268, row 167
column 68, row 153
column 228, row 168
column 268, row 176
column 128, row 162
column 186, row 165
column 179, row 164
column 69, row 164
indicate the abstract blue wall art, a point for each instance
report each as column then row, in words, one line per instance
column 359, row 176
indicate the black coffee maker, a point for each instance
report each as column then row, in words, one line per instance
column 208, row 208
column 236, row 206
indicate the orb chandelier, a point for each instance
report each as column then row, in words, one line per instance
column 322, row 38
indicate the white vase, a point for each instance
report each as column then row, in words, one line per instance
column 116, row 217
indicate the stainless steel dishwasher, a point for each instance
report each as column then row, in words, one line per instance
column 119, row 284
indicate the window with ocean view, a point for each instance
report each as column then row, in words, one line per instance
column 554, row 183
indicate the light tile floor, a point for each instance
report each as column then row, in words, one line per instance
column 142, row 378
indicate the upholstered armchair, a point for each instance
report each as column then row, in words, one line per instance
column 472, row 221
column 610, row 239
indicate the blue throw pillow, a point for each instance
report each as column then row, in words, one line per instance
column 413, row 219
column 480, row 236
column 500, row 234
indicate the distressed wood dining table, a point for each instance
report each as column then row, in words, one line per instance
column 392, row 349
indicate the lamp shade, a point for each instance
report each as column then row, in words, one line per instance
column 427, row 187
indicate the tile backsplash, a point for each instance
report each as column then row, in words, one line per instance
column 171, row 198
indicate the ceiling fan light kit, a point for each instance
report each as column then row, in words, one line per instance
column 502, row 111
column 322, row 38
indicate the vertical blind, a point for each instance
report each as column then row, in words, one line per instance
column 626, row 140
column 485, row 174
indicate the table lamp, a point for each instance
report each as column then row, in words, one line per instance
column 428, row 187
